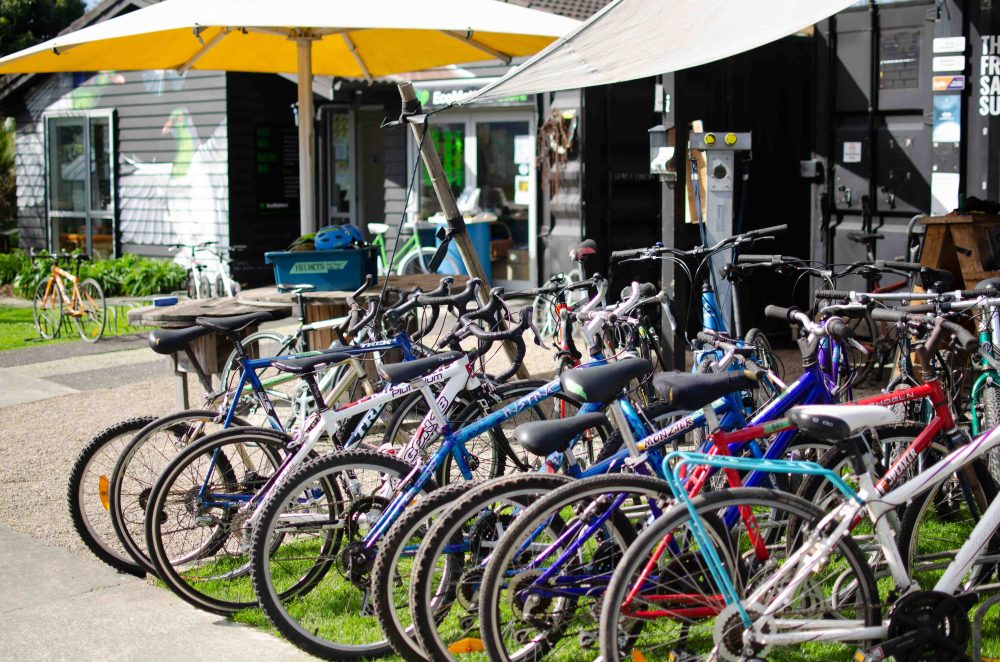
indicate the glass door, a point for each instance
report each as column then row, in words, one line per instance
column 489, row 161
column 504, row 169
column 80, row 160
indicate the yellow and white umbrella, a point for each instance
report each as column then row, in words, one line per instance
column 345, row 38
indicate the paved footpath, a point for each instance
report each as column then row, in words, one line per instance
column 56, row 605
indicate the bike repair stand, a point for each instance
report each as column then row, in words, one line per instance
column 719, row 188
column 413, row 115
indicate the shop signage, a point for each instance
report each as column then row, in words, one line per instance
column 949, row 44
column 318, row 267
column 949, row 83
column 852, row 152
column 949, row 63
column 989, row 76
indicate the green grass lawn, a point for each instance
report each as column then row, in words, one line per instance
column 17, row 328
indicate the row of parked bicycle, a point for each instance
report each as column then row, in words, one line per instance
column 398, row 492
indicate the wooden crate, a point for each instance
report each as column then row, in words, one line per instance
column 962, row 245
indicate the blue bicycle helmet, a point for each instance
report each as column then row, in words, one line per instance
column 332, row 238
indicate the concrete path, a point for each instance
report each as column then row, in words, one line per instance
column 56, row 605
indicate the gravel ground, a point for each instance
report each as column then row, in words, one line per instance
column 41, row 440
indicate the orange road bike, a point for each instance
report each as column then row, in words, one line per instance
column 83, row 302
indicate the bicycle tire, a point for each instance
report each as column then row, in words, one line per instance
column 128, row 506
column 47, row 314
column 431, row 604
column 990, row 397
column 87, row 298
column 225, row 590
column 387, row 577
column 101, row 539
column 616, row 644
column 277, row 607
column 500, row 576
column 416, row 261
column 949, row 525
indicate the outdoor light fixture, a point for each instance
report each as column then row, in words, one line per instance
column 660, row 154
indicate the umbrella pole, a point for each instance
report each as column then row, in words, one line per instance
column 456, row 222
column 307, row 161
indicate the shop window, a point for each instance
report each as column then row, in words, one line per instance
column 80, row 158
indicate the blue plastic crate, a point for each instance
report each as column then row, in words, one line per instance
column 326, row 270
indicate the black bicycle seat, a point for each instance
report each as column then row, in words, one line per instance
column 309, row 364
column 688, row 391
column 407, row 371
column 544, row 437
column 233, row 323
column 604, row 382
column 168, row 341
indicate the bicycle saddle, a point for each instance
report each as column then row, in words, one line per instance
column 407, row 371
column 295, row 287
column 233, row 323
column 544, row 437
column 168, row 341
column 862, row 237
column 378, row 228
column 839, row 422
column 313, row 363
column 603, row 382
column 688, row 391
column 583, row 249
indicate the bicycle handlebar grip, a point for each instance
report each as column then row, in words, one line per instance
column 838, row 328
column 779, row 313
column 706, row 338
column 358, row 322
column 369, row 279
column 516, row 361
column 912, row 267
column 757, row 259
column 624, row 255
column 508, row 334
column 984, row 292
column 888, row 315
column 965, row 339
column 833, row 294
column 776, row 229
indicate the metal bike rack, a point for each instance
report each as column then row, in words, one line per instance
column 977, row 625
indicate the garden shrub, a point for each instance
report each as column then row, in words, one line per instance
column 129, row 275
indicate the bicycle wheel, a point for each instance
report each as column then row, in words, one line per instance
column 87, row 493
column 140, row 464
column 990, row 398
column 334, row 619
column 48, row 310
column 447, row 569
column 392, row 571
column 662, row 600
column 544, row 317
column 940, row 521
column 417, row 261
column 92, row 314
column 543, row 586
column 198, row 518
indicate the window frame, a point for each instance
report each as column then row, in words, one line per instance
column 85, row 117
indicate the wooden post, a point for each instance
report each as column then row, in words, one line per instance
column 445, row 196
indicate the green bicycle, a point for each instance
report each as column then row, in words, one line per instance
column 411, row 257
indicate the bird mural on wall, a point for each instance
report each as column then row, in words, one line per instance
column 181, row 201
column 87, row 96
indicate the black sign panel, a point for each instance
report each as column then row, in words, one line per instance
column 277, row 165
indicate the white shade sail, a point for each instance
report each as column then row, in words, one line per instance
column 631, row 39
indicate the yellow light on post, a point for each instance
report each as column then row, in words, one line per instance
column 709, row 138
column 730, row 139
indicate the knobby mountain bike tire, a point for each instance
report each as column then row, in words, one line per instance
column 678, row 606
column 444, row 582
column 139, row 466
column 392, row 570
column 87, row 493
column 333, row 620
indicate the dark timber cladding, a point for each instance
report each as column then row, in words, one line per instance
column 262, row 134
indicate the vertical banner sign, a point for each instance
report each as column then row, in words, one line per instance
column 989, row 76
